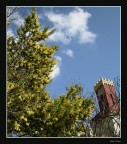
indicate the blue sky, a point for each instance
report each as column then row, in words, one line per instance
column 88, row 40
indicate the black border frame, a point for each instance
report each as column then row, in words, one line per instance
column 123, row 5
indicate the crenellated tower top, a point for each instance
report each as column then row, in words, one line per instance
column 101, row 82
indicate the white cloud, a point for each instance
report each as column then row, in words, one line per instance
column 58, row 58
column 56, row 69
column 39, row 16
column 10, row 32
column 68, row 52
column 74, row 24
column 55, row 72
column 59, row 36
column 87, row 37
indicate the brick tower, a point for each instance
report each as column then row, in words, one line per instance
column 106, row 96
column 107, row 122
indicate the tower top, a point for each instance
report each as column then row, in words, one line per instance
column 102, row 81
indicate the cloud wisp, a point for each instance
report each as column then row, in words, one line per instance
column 71, row 25
column 56, row 69
column 68, row 52
column 10, row 32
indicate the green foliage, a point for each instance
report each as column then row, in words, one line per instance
column 67, row 114
column 30, row 110
column 29, row 64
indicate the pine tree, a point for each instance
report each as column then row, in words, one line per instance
column 29, row 64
